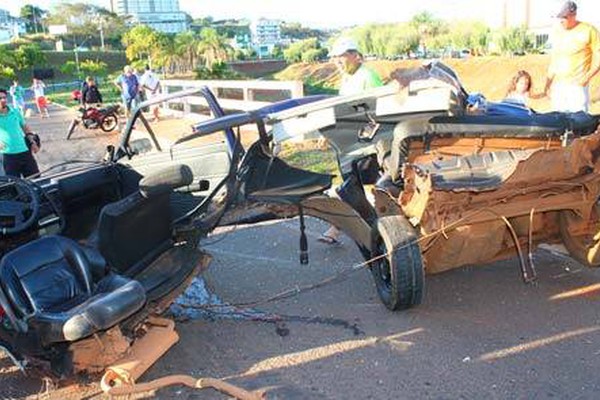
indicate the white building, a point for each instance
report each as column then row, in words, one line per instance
column 266, row 34
column 10, row 27
column 162, row 15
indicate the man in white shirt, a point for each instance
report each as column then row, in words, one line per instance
column 40, row 99
column 151, row 85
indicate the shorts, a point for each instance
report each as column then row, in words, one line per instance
column 41, row 102
column 567, row 97
column 20, row 164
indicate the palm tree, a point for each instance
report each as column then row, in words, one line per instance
column 166, row 55
column 186, row 47
column 213, row 47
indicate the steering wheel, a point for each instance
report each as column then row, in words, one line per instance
column 23, row 208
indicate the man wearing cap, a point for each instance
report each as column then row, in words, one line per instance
column 356, row 77
column 575, row 60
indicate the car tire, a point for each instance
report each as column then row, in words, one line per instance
column 109, row 122
column 398, row 272
column 583, row 248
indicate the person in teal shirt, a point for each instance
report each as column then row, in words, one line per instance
column 17, row 158
column 18, row 96
column 356, row 78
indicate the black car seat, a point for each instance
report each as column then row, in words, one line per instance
column 133, row 231
column 52, row 289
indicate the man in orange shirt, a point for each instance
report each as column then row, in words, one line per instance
column 575, row 59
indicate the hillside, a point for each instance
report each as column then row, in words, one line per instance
column 487, row 75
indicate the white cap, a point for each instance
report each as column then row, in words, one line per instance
column 342, row 45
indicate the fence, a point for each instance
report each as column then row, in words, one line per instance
column 232, row 95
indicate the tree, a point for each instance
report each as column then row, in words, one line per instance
column 386, row 40
column 8, row 63
column 516, row 41
column 69, row 68
column 186, row 47
column 218, row 70
column 429, row 28
column 29, row 56
column 85, row 20
column 296, row 31
column 141, row 43
column 469, row 35
column 168, row 56
column 33, row 17
column 94, row 68
column 213, row 47
column 295, row 52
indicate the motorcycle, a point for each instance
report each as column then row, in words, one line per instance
column 106, row 118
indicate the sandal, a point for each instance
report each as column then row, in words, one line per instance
column 324, row 238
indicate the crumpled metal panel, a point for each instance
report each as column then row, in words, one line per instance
column 476, row 172
column 455, row 199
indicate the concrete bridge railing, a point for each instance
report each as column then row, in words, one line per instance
column 232, row 95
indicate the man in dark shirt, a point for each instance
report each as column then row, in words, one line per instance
column 90, row 93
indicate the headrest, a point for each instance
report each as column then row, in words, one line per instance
column 166, row 179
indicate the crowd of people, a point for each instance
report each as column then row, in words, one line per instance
column 17, row 148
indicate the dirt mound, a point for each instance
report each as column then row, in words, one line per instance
column 487, row 75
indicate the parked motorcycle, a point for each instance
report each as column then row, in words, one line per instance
column 106, row 118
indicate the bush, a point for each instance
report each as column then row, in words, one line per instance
column 219, row 70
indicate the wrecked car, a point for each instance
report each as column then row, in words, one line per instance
column 459, row 180
column 93, row 255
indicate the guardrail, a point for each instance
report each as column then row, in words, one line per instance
column 232, row 95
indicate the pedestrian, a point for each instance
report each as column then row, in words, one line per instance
column 129, row 86
column 41, row 102
column 18, row 96
column 519, row 89
column 90, row 93
column 151, row 86
column 356, row 78
column 574, row 61
column 17, row 151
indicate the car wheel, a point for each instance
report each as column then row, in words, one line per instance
column 109, row 123
column 585, row 245
column 398, row 272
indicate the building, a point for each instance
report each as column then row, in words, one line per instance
column 162, row 15
column 266, row 34
column 10, row 27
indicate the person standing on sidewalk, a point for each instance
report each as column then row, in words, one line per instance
column 151, row 86
column 356, row 78
column 129, row 86
column 18, row 96
column 575, row 60
column 38, row 88
column 17, row 157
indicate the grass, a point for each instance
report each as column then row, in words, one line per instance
column 310, row 156
column 64, row 98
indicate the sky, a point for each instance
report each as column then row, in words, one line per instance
column 331, row 14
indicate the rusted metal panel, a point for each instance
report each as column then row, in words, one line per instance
column 465, row 222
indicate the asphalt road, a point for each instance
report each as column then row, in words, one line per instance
column 479, row 334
